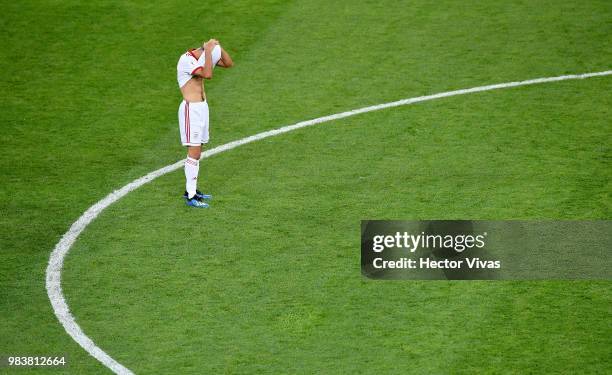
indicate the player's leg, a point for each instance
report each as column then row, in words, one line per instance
column 192, row 169
column 199, row 133
column 189, row 126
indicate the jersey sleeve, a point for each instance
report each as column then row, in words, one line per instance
column 193, row 65
column 216, row 56
column 185, row 68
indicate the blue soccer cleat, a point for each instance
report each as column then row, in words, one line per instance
column 199, row 195
column 196, row 202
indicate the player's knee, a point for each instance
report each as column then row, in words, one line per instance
column 194, row 152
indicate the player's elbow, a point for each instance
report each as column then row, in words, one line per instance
column 229, row 64
column 207, row 75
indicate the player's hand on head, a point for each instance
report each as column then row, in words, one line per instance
column 211, row 44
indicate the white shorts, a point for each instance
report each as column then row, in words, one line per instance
column 193, row 123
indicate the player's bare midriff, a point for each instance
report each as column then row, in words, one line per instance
column 193, row 90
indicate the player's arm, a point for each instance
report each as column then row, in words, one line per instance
column 226, row 60
column 207, row 69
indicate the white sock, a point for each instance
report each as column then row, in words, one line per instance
column 192, row 167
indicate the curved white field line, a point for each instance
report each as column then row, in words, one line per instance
column 54, row 269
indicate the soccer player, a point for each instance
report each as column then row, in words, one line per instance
column 193, row 67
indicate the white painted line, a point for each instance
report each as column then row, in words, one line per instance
column 56, row 261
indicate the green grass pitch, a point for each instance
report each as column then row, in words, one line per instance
column 267, row 280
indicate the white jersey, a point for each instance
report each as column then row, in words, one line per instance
column 188, row 65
